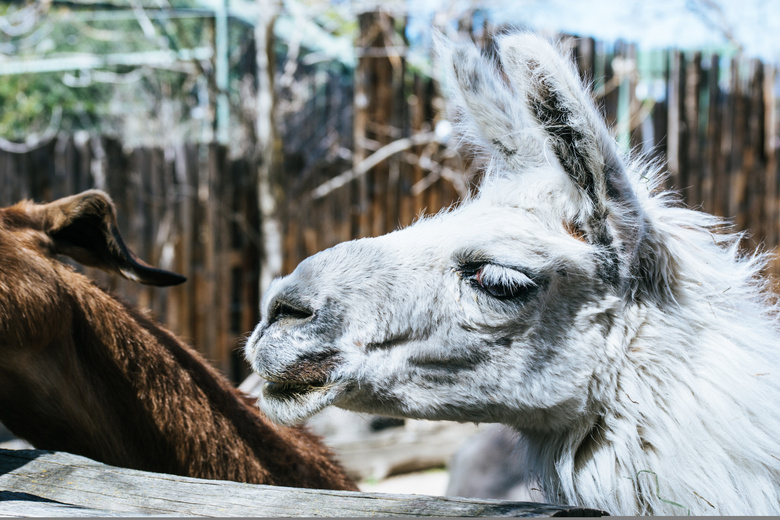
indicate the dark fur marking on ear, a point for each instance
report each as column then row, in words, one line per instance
column 508, row 152
column 613, row 192
column 473, row 80
column 552, row 114
column 609, row 267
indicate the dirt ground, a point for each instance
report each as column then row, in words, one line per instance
column 431, row 482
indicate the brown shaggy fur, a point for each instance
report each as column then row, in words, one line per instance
column 82, row 372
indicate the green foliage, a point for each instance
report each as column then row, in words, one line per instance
column 136, row 103
column 102, row 99
column 32, row 101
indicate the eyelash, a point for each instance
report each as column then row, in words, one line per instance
column 501, row 283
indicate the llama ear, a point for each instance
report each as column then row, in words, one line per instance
column 83, row 227
column 536, row 112
column 609, row 213
column 486, row 106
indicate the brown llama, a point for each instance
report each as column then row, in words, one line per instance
column 82, row 372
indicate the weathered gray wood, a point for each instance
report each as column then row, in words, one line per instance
column 77, row 486
column 21, row 504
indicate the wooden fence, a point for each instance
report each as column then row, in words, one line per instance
column 57, row 484
column 709, row 121
column 712, row 124
column 385, row 101
column 714, row 129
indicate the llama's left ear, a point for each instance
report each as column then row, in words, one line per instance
column 83, row 227
column 611, row 216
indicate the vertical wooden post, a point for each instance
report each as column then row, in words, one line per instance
column 222, row 189
column 660, row 115
column 378, row 82
column 624, row 96
column 585, row 59
column 206, row 283
column 693, row 166
column 268, row 173
column 727, row 140
column 411, row 204
column 755, row 196
column 771, row 169
column 359, row 203
column 675, row 86
column 609, row 98
column 736, row 158
column 713, row 167
column 381, row 110
column 179, row 316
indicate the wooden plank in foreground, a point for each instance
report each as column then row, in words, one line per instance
column 21, row 504
column 69, row 485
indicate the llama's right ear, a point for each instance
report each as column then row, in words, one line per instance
column 535, row 114
column 550, row 88
column 83, row 227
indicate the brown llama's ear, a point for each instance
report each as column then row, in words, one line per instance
column 83, row 227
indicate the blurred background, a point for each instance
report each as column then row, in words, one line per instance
column 238, row 137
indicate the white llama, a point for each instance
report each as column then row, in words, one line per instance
column 622, row 335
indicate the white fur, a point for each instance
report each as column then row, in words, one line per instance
column 640, row 365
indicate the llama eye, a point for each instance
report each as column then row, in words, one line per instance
column 501, row 282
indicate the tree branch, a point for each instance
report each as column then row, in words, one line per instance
column 372, row 160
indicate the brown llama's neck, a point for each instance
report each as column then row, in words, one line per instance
column 126, row 392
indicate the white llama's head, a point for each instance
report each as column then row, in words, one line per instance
column 501, row 310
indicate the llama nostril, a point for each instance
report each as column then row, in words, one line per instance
column 287, row 310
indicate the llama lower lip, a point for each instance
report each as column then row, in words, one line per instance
column 290, row 389
column 291, row 402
